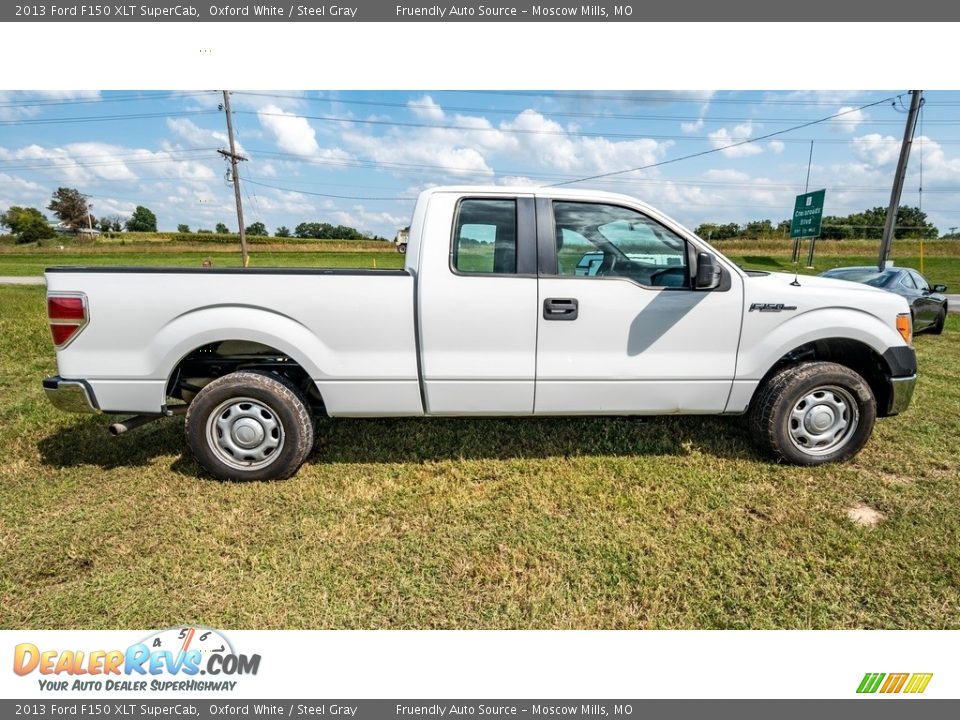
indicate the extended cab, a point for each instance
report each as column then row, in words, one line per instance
column 512, row 302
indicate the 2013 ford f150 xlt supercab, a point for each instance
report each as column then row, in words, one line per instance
column 512, row 302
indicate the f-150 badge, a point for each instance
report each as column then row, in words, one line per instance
column 771, row 307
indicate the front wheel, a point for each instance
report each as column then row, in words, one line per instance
column 250, row 426
column 814, row 413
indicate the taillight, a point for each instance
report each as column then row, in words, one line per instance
column 67, row 315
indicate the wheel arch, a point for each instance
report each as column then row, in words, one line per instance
column 856, row 355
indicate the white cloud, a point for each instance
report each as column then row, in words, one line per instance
column 426, row 108
column 193, row 134
column 875, row 149
column 727, row 175
column 849, row 120
column 776, row 146
column 724, row 138
column 692, row 127
column 83, row 162
column 292, row 134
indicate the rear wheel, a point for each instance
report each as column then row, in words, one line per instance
column 250, row 426
column 814, row 413
column 937, row 327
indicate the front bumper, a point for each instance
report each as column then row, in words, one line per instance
column 901, row 392
column 70, row 395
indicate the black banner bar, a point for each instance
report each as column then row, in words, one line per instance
column 487, row 11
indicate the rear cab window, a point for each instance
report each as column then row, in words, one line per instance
column 485, row 237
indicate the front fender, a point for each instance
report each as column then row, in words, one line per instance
column 761, row 347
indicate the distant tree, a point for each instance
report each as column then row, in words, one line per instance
column 221, row 229
column 282, row 231
column 203, row 231
column 116, row 223
column 326, row 231
column 70, row 206
column 758, row 229
column 185, row 229
column 715, row 231
column 104, row 224
column 257, row 229
column 142, row 220
column 28, row 224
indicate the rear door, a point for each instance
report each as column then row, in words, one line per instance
column 621, row 331
column 477, row 304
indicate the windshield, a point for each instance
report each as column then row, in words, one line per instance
column 867, row 276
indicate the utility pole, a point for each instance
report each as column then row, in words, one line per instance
column 234, row 159
column 916, row 99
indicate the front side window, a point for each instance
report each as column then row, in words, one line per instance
column 485, row 237
column 919, row 281
column 907, row 282
column 598, row 240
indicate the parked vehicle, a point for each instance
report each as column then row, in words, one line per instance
column 401, row 240
column 492, row 315
column 928, row 304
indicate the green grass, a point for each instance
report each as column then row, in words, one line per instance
column 937, row 270
column 941, row 258
column 474, row 523
column 34, row 263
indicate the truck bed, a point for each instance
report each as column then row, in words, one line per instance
column 351, row 330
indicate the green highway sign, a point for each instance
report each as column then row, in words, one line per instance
column 807, row 214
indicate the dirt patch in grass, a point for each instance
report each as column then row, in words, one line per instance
column 865, row 515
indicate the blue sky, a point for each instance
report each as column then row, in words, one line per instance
column 360, row 158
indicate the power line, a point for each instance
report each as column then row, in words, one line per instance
column 92, row 101
column 555, row 113
column 326, row 195
column 725, row 147
column 107, row 118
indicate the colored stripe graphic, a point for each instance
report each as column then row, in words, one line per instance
column 870, row 682
column 894, row 683
column 918, row 683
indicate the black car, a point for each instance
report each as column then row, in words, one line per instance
column 928, row 306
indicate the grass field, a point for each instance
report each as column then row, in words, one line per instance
column 487, row 523
column 941, row 259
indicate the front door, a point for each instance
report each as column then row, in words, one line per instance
column 621, row 329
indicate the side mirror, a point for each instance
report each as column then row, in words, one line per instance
column 709, row 272
column 939, row 288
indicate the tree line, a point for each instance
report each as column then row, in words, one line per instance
column 71, row 208
column 867, row 225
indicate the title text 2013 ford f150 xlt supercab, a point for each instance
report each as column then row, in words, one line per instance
column 512, row 302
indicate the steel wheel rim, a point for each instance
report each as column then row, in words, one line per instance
column 245, row 434
column 823, row 420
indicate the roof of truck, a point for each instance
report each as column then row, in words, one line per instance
column 544, row 190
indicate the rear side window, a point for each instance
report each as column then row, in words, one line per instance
column 485, row 237
column 919, row 281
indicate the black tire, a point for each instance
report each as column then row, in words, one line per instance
column 796, row 402
column 402, row 248
column 250, row 426
column 937, row 327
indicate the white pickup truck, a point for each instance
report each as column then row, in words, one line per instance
column 512, row 302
